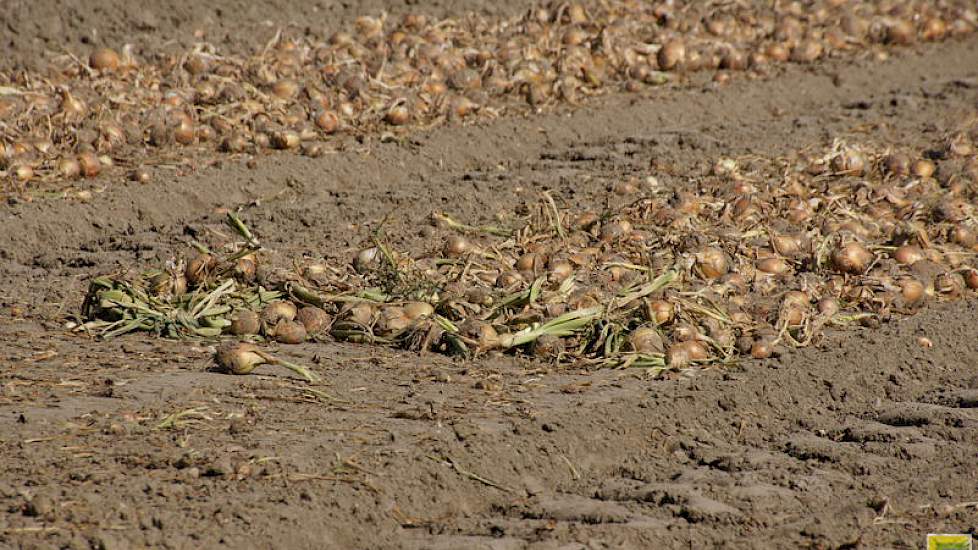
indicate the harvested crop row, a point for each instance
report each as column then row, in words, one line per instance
column 79, row 118
column 759, row 255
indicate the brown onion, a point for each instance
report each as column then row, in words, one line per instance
column 456, row 246
column 852, row 258
column 245, row 322
column 712, row 263
column 278, row 311
column 660, row 312
column 104, row 59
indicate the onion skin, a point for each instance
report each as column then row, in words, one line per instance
column 712, row 263
column 289, row 332
column 456, row 246
column 418, row 310
column 278, row 311
column 244, row 323
column 852, row 258
column 314, row 319
column 646, row 340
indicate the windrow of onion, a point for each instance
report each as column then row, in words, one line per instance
column 757, row 256
column 119, row 109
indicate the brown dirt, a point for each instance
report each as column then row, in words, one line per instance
column 867, row 441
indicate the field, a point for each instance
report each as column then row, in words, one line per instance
column 845, row 420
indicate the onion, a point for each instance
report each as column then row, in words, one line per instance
column 89, row 164
column 69, row 168
column 243, row 358
column 712, row 263
column 104, row 59
column 852, row 258
column 362, row 314
column 328, row 122
column 141, row 175
column 949, row 284
column 456, row 246
column 398, row 115
column 934, row 28
column 923, row 168
column 195, row 64
column 481, row 333
column 278, row 311
column 418, row 310
column 289, row 332
column 901, row 32
column 762, row 348
column 773, row 266
column 646, row 340
column 660, row 312
column 786, row 245
column 686, row 331
column 508, row 279
column 850, row 162
column 22, row 172
column 681, row 354
column 199, row 268
column 908, row 254
column 245, row 268
column 560, row 271
column 531, row 262
column 897, row 164
column 285, row 89
column 912, row 290
column 286, row 139
column 806, row 51
column 796, row 299
column 615, row 230
column 366, row 259
column 971, row 278
column 828, row 306
column 671, row 55
column 245, row 322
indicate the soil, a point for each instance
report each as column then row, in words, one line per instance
column 866, row 441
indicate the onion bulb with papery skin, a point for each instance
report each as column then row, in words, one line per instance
column 762, row 348
column 852, row 258
column 418, row 310
column 362, row 314
column 69, row 168
column 712, row 263
column 912, row 290
column 392, row 320
column 773, row 266
column 682, row 354
column 367, row 259
column 398, row 116
column 671, row 55
column 660, row 312
column 646, row 340
column 289, row 332
column 971, row 278
column 199, row 268
column 908, row 254
column 481, row 333
column 244, row 358
column 104, row 59
column 278, row 311
column 314, row 319
column 89, row 164
column 828, row 307
column 456, row 246
column 245, row 322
